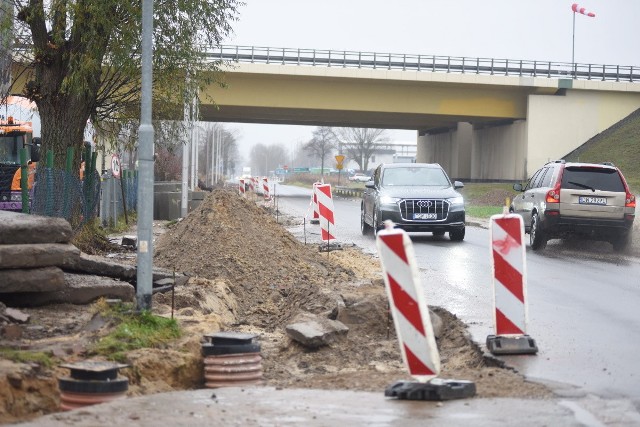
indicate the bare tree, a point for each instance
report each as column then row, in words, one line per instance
column 219, row 147
column 361, row 143
column 266, row 157
column 322, row 143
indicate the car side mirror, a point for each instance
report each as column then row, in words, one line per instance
column 369, row 184
column 517, row 186
column 457, row 184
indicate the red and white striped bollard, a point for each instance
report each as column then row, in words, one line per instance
column 508, row 264
column 413, row 323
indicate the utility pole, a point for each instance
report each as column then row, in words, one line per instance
column 144, row 278
column 186, row 150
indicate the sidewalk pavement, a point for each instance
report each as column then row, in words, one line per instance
column 266, row 406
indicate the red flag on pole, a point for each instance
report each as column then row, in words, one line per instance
column 582, row 10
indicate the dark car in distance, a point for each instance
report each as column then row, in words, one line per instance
column 417, row 197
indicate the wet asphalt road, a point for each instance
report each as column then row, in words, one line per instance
column 583, row 299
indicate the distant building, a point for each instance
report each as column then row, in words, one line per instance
column 391, row 152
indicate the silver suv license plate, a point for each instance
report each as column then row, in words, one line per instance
column 587, row 200
column 425, row 216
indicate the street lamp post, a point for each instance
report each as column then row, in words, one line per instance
column 145, row 182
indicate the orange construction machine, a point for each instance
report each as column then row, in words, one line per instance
column 15, row 135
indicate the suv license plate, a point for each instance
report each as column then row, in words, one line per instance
column 425, row 216
column 587, row 200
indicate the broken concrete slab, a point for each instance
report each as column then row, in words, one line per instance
column 79, row 289
column 16, row 316
column 91, row 264
column 436, row 323
column 31, row 280
column 19, row 228
column 129, row 242
column 314, row 331
column 36, row 255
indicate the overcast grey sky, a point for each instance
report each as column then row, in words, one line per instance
column 506, row 29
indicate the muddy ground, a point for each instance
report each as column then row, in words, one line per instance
column 248, row 274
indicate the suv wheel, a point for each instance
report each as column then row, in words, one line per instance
column 376, row 226
column 536, row 235
column 457, row 234
column 621, row 242
column 364, row 227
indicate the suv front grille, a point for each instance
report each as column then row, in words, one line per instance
column 409, row 207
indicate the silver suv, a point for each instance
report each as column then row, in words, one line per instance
column 576, row 199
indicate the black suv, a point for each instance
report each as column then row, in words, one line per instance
column 589, row 200
column 416, row 197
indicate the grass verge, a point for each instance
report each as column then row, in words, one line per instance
column 24, row 356
column 134, row 331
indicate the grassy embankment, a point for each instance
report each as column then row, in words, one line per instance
column 620, row 144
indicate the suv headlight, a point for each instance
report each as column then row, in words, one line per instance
column 456, row 202
column 388, row 200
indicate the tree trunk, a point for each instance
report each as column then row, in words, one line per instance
column 63, row 125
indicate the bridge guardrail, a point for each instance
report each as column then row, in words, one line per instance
column 343, row 191
column 433, row 63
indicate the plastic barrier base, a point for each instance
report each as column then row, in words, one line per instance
column 324, row 247
column 511, row 345
column 436, row 389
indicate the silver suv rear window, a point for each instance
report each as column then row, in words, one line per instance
column 582, row 178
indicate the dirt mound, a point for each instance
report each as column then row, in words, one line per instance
column 230, row 237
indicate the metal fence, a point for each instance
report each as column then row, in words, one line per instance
column 432, row 63
column 58, row 193
column 116, row 195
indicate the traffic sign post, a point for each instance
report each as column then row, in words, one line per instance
column 339, row 166
column 413, row 323
column 115, row 166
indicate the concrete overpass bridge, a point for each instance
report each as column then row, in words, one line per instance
column 480, row 118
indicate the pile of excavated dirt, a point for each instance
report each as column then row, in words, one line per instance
column 273, row 277
column 248, row 274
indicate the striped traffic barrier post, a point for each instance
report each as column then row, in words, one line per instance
column 314, row 202
column 413, row 324
column 509, row 287
column 241, row 187
column 265, row 188
column 327, row 219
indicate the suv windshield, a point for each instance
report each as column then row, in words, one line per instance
column 580, row 178
column 414, row 176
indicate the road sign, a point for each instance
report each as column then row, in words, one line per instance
column 339, row 159
column 115, row 166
